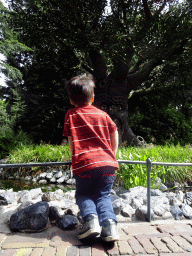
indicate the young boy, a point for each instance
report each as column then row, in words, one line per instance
column 93, row 141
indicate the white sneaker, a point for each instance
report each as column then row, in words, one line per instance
column 91, row 228
column 109, row 231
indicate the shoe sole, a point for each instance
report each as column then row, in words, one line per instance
column 91, row 233
column 110, row 238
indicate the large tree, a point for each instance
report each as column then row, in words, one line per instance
column 125, row 47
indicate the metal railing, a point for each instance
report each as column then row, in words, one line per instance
column 148, row 163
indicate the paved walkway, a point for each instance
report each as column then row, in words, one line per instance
column 140, row 238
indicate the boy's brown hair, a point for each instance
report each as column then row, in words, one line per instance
column 80, row 89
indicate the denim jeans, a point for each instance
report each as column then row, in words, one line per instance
column 92, row 192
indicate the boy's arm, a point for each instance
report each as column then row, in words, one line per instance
column 114, row 141
column 70, row 144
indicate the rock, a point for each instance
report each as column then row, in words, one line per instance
column 61, row 180
column 51, row 196
column 53, row 180
column 161, row 209
column 180, row 196
column 70, row 181
column 67, row 222
column 8, row 197
column 136, row 202
column 49, row 175
column 66, row 203
column 176, row 212
column 188, row 196
column 127, row 210
column 156, row 192
column 33, row 218
column 35, row 193
column 54, row 214
column 73, row 210
column 141, row 213
column 3, row 200
column 6, row 212
column 58, row 175
column 117, row 206
column 43, row 182
column 24, row 196
column 70, row 194
column 186, row 210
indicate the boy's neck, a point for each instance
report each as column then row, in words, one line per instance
column 86, row 104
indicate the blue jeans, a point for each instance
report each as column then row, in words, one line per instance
column 92, row 192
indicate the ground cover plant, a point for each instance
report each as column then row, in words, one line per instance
column 128, row 175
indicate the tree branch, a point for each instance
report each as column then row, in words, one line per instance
column 88, row 69
column 139, row 77
column 147, row 10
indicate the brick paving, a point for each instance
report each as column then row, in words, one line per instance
column 155, row 239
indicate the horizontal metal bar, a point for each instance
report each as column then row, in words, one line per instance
column 34, row 164
column 69, row 163
column 131, row 162
column 171, row 164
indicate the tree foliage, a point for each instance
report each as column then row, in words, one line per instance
column 147, row 41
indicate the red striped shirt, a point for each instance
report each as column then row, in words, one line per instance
column 90, row 129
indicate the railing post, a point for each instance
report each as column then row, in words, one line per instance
column 149, row 164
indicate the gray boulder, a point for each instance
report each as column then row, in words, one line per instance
column 176, row 212
column 32, row 218
column 186, row 210
column 67, row 222
column 141, row 213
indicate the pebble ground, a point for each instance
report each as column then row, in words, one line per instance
column 171, row 238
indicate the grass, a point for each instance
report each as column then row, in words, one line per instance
column 136, row 175
column 129, row 175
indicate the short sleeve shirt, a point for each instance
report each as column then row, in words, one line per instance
column 90, row 129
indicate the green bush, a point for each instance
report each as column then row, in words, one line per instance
column 10, row 135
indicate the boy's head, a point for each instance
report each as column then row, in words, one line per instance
column 81, row 90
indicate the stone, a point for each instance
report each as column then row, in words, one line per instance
column 186, row 210
column 43, row 182
column 180, row 196
column 156, row 192
column 54, row 214
column 53, row 180
column 58, row 175
column 24, row 196
column 127, row 210
column 188, row 197
column 8, row 197
column 117, row 206
column 176, row 212
column 67, row 222
column 161, row 209
column 73, row 210
column 33, row 218
column 51, row 196
column 136, row 202
column 49, row 176
column 70, row 181
column 35, row 193
column 61, row 180
column 141, row 213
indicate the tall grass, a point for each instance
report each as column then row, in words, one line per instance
column 136, row 175
column 130, row 175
